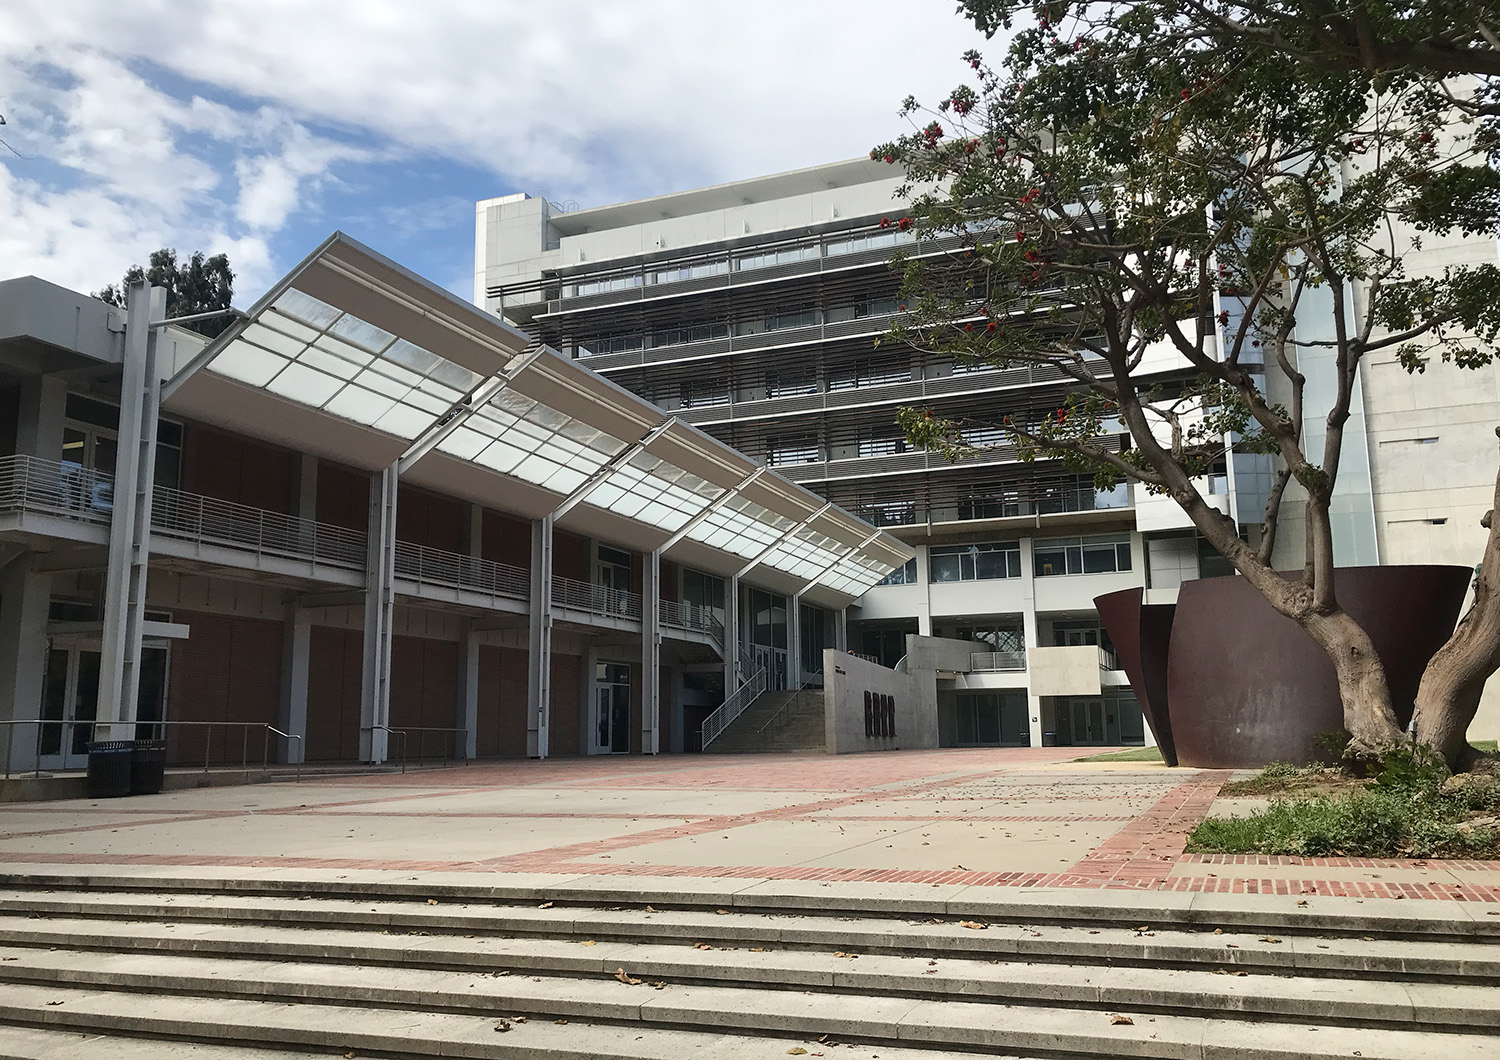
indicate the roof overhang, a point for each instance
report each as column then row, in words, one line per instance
column 357, row 360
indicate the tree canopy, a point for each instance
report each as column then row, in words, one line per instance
column 1134, row 183
column 198, row 285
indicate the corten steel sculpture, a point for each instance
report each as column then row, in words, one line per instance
column 1225, row 681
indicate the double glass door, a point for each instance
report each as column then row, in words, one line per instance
column 1089, row 722
column 611, row 708
column 70, row 698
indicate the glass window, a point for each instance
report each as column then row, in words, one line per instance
column 778, row 256
column 951, row 563
column 787, row 382
column 903, row 575
column 676, row 273
column 802, row 449
column 867, row 373
column 1099, row 554
column 604, row 285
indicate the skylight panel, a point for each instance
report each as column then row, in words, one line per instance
column 410, row 355
column 404, row 422
column 285, row 325
column 274, row 341
column 501, row 457
column 366, row 336
column 360, row 405
column 305, row 385
column 345, row 350
column 314, row 313
column 248, row 364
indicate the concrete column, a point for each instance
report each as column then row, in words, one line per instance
column 1029, row 631
column 468, row 676
column 24, row 596
column 39, row 426
column 468, row 694
column 296, row 661
column 539, row 659
column 731, row 636
column 380, row 607
column 130, row 522
column 794, row 642
column 651, row 654
column 841, row 629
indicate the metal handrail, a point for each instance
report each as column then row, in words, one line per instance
column 245, row 727
column 997, row 661
column 193, row 517
column 862, row 655
column 29, row 483
column 598, row 599
column 724, row 715
column 434, row 566
column 458, row 731
column 692, row 616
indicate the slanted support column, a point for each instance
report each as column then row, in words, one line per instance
column 297, row 660
column 794, row 641
column 651, row 654
column 24, row 596
column 539, row 660
column 1029, row 633
column 841, row 629
column 380, row 607
column 732, row 676
column 130, row 523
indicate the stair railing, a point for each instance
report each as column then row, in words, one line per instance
column 781, row 710
column 732, row 707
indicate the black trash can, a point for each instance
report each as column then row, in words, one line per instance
column 148, row 767
column 109, row 768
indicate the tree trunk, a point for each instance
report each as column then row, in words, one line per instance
column 1454, row 679
column 1368, row 715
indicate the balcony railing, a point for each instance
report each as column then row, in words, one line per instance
column 433, row 566
column 596, row 599
column 692, row 617
column 29, row 484
column 191, row 517
column 1108, row 660
column 997, row 661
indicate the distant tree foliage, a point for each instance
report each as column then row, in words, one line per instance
column 199, row 285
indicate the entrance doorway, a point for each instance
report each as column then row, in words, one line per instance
column 611, row 708
column 612, row 571
column 70, row 699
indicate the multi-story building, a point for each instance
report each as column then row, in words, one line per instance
column 369, row 522
column 753, row 310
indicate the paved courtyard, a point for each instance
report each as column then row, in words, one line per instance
column 949, row 819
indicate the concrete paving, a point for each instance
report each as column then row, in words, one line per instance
column 934, row 822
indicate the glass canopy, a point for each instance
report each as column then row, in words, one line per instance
column 343, row 335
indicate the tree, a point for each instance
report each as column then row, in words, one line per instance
column 1119, row 188
column 201, row 285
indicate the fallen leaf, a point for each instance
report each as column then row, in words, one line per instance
column 545, row 905
column 626, row 978
column 753, row 949
column 650, row 910
column 519, row 1019
column 588, row 942
column 841, row 953
column 559, row 1022
column 702, row 946
column 972, row 925
column 796, row 1050
column 54, row 1002
column 722, row 912
column 1269, row 938
column 1119, row 1019
column 1302, row 902
column 503, row 1025
column 432, row 901
column 503, row 971
column 1218, row 931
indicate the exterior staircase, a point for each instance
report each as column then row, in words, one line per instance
column 204, row 968
column 776, row 721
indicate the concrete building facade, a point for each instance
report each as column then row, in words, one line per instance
column 753, row 310
column 369, row 522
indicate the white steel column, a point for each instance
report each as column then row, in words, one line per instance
column 130, row 522
column 468, row 677
column 651, row 654
column 539, row 659
column 380, row 606
column 731, row 635
column 794, row 641
column 1029, row 633
column 296, row 661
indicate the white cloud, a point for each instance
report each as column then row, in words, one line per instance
column 584, row 100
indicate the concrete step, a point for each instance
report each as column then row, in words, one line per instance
column 311, row 1029
column 30, row 951
column 45, row 1043
column 580, row 904
column 272, row 995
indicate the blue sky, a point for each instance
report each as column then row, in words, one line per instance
column 257, row 128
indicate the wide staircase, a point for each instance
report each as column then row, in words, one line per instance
column 776, row 721
column 204, row 969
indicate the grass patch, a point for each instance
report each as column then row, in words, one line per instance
column 1135, row 754
column 1412, row 808
column 1485, row 746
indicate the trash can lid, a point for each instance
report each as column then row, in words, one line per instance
column 111, row 746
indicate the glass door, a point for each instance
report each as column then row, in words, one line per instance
column 612, row 572
column 612, row 708
column 1088, row 721
column 70, row 700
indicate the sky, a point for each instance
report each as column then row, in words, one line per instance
column 258, row 127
